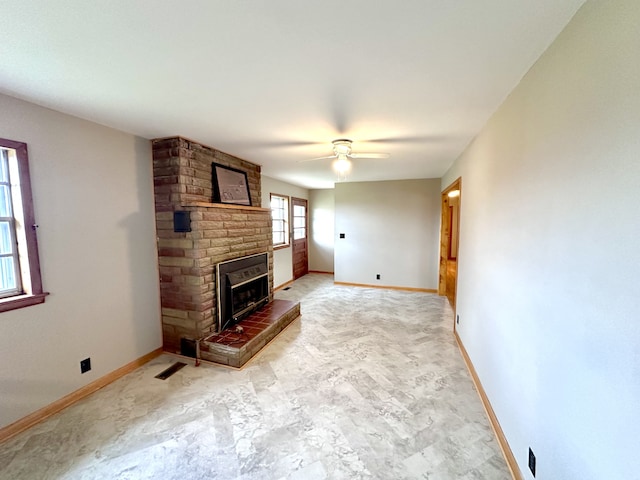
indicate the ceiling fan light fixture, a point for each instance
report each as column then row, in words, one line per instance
column 342, row 166
column 342, row 156
column 342, row 146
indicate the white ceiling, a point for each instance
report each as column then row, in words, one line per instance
column 275, row 81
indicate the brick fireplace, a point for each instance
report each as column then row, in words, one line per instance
column 219, row 232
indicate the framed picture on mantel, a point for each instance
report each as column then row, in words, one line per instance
column 230, row 185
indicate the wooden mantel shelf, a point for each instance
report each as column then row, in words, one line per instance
column 225, row 205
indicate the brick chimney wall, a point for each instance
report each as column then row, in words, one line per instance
column 219, row 232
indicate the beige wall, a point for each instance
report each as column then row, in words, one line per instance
column 392, row 229
column 549, row 260
column 322, row 220
column 92, row 189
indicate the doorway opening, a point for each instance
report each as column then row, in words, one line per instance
column 449, row 239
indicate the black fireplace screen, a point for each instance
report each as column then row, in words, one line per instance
column 243, row 287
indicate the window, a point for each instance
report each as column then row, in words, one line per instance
column 20, row 283
column 280, row 219
column 10, row 283
column 299, row 222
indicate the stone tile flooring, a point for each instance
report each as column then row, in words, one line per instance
column 368, row 383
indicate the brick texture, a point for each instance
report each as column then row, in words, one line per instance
column 183, row 176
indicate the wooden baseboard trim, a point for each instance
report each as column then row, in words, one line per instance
column 493, row 420
column 320, row 271
column 39, row 415
column 387, row 287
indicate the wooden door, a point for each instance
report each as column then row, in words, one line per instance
column 299, row 240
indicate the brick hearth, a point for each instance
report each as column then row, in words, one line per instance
column 235, row 349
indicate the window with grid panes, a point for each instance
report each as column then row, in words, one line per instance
column 280, row 220
column 20, row 281
column 10, row 283
column 299, row 222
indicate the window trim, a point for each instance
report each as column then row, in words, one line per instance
column 10, row 220
column 33, row 293
column 287, row 242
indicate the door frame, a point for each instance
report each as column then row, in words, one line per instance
column 445, row 237
column 306, row 236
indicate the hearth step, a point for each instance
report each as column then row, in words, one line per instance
column 170, row 371
column 233, row 348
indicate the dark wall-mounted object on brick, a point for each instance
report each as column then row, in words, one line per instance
column 181, row 221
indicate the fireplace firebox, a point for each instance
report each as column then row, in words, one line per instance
column 243, row 288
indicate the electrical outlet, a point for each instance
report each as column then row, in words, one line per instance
column 378, row 276
column 85, row 365
column 532, row 462
column 457, row 319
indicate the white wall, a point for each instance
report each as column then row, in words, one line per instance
column 93, row 199
column 549, row 256
column 282, row 259
column 392, row 229
column 322, row 222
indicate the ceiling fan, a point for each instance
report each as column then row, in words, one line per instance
column 342, row 155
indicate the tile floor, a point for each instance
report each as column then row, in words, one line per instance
column 367, row 384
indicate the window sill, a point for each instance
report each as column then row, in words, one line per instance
column 280, row 247
column 21, row 301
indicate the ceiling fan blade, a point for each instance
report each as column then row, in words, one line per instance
column 318, row 158
column 283, row 143
column 369, row 155
column 409, row 139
